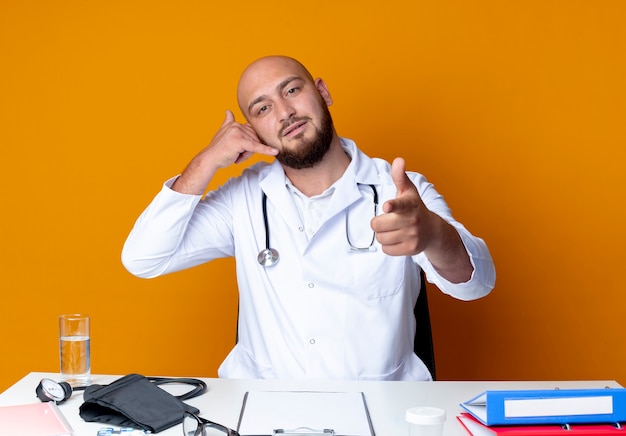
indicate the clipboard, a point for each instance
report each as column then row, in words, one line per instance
column 289, row 413
column 304, row 431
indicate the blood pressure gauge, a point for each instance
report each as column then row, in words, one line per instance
column 50, row 390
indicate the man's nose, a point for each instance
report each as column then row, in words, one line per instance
column 285, row 111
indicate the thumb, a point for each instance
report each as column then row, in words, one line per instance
column 399, row 177
column 403, row 185
column 229, row 118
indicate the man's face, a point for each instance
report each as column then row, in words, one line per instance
column 288, row 110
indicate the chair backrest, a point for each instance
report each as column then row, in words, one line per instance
column 423, row 344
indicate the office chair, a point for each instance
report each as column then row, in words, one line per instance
column 423, row 343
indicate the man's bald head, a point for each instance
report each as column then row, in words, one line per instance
column 261, row 72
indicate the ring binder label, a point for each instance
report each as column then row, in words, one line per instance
column 516, row 408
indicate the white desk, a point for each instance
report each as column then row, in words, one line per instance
column 387, row 401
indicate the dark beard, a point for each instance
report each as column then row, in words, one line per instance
column 310, row 152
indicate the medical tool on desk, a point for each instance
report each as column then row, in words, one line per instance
column 51, row 390
column 269, row 256
column 126, row 431
column 304, row 431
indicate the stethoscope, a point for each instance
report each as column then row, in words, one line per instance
column 269, row 256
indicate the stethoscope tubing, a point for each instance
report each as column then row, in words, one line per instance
column 269, row 256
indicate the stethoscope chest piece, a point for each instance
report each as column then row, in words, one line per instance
column 268, row 257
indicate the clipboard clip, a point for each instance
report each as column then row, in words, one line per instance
column 303, row 431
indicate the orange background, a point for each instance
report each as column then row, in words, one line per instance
column 514, row 109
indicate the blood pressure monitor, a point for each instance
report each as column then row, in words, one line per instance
column 50, row 390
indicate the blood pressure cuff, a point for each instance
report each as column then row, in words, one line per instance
column 137, row 401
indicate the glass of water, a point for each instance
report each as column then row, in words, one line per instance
column 75, row 349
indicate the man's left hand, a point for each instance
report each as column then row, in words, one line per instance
column 404, row 228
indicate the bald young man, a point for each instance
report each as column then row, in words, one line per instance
column 335, row 298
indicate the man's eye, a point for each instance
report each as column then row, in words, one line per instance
column 263, row 109
column 292, row 90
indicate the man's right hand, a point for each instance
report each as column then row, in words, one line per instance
column 233, row 143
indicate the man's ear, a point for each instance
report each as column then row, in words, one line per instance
column 323, row 90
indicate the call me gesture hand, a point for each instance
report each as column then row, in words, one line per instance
column 233, row 143
column 407, row 228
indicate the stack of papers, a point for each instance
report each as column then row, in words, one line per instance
column 477, row 428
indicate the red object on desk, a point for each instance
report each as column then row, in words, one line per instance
column 36, row 419
column 477, row 428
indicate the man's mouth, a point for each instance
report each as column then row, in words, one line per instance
column 293, row 128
